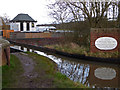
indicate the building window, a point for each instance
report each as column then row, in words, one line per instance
column 32, row 24
column 28, row 27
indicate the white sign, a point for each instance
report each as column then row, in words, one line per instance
column 105, row 73
column 106, row 43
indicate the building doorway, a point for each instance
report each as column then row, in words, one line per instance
column 28, row 27
column 21, row 26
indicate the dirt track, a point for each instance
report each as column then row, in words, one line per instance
column 30, row 78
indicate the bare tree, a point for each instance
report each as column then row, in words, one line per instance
column 94, row 12
column 6, row 19
column 60, row 12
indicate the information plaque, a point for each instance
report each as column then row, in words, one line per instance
column 106, row 43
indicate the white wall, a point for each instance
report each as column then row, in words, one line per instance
column 32, row 28
column 16, row 26
column 24, row 26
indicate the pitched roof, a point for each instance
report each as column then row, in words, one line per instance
column 23, row 18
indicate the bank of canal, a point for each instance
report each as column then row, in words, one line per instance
column 91, row 74
column 30, row 70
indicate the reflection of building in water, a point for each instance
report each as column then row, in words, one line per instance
column 21, row 48
column 106, row 77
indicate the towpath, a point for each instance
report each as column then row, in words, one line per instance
column 30, row 78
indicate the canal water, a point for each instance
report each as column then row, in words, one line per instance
column 91, row 74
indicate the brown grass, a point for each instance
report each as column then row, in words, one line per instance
column 74, row 48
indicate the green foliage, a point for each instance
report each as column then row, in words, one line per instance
column 61, row 81
column 60, row 76
column 42, row 63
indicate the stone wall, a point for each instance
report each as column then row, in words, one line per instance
column 6, row 56
column 104, row 32
column 4, row 52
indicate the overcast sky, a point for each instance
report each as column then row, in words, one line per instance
column 37, row 9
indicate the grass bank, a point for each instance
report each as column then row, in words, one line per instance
column 11, row 73
column 74, row 48
column 49, row 71
column 44, row 67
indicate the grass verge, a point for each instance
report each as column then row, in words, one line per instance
column 49, row 71
column 44, row 67
column 10, row 73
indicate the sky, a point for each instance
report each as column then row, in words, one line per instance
column 37, row 9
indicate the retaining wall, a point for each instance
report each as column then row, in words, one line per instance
column 38, row 41
column 4, row 52
column 23, row 35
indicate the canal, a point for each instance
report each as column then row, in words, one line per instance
column 91, row 74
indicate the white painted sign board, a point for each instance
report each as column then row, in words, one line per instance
column 106, row 43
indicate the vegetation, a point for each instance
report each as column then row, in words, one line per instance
column 11, row 73
column 50, row 72
column 70, row 48
column 74, row 48
column 95, row 13
column 82, row 16
column 45, row 68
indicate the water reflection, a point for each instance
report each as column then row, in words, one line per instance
column 105, row 73
column 91, row 74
